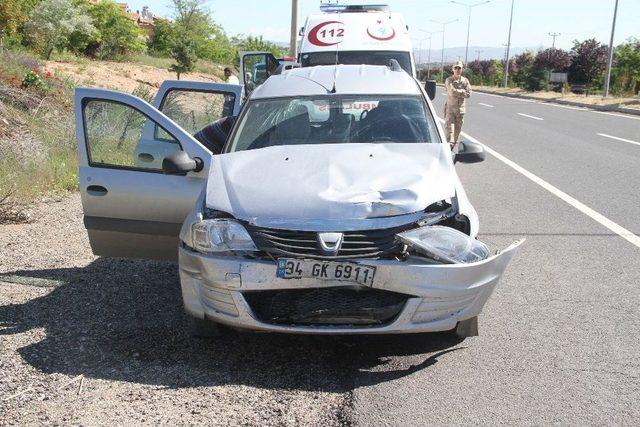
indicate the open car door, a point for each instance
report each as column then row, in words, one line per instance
column 131, row 208
column 190, row 104
column 256, row 67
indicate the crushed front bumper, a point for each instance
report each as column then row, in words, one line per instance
column 438, row 295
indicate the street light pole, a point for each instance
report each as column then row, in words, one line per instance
column 444, row 24
column 469, row 6
column 607, row 80
column 506, row 62
column 431, row 33
column 293, row 42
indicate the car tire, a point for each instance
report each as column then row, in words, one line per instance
column 205, row 328
column 466, row 328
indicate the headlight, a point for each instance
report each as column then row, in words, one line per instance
column 445, row 244
column 221, row 235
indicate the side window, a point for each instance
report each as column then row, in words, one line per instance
column 114, row 136
column 194, row 110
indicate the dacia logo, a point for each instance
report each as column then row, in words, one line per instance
column 329, row 243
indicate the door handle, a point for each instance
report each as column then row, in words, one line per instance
column 97, row 190
column 145, row 157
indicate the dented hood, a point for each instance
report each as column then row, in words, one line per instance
column 330, row 182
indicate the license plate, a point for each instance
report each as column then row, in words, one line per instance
column 325, row 270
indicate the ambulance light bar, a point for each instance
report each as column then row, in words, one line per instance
column 353, row 8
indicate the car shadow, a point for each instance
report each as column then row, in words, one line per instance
column 123, row 320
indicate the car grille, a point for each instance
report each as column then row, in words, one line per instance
column 379, row 243
column 326, row 306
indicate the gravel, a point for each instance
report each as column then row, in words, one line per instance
column 87, row 340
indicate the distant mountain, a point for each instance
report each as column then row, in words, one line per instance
column 452, row 54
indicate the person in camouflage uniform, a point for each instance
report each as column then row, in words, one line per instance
column 458, row 90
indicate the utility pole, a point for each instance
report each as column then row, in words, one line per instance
column 431, row 33
column 469, row 6
column 478, row 52
column 444, row 24
column 293, row 41
column 554, row 35
column 607, row 80
column 506, row 62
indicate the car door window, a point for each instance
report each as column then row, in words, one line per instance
column 193, row 110
column 114, row 137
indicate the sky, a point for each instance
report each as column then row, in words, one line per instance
column 533, row 20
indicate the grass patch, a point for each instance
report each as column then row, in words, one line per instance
column 37, row 137
column 202, row 66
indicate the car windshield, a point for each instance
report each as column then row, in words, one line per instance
column 333, row 119
column 357, row 57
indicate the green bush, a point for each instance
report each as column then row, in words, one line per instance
column 117, row 36
column 535, row 79
column 53, row 24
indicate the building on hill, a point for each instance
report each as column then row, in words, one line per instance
column 145, row 19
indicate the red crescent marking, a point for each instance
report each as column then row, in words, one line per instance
column 313, row 34
column 393, row 34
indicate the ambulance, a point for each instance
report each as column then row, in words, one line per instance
column 356, row 34
column 341, row 34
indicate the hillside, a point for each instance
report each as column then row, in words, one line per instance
column 125, row 76
column 37, row 129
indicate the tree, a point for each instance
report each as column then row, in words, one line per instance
column 117, row 35
column 552, row 59
column 535, row 79
column 11, row 16
column 250, row 43
column 52, row 23
column 183, row 52
column 627, row 58
column 193, row 20
column 588, row 60
column 161, row 41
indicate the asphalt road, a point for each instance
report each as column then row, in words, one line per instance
column 559, row 339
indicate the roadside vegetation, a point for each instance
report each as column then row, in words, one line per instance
column 44, row 42
column 584, row 64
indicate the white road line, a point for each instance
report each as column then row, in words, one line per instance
column 568, row 107
column 531, row 117
column 596, row 216
column 619, row 139
column 486, row 105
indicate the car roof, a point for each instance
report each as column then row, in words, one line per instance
column 339, row 79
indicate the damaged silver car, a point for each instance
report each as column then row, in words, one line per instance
column 334, row 207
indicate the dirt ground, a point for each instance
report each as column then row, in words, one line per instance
column 86, row 340
column 122, row 76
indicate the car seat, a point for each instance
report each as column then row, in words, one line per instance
column 293, row 130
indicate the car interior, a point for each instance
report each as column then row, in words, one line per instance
column 393, row 120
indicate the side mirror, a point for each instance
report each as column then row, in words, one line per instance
column 179, row 163
column 430, row 88
column 470, row 152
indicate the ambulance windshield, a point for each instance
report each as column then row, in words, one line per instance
column 357, row 57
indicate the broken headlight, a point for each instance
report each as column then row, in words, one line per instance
column 221, row 235
column 444, row 244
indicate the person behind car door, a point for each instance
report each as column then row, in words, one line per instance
column 458, row 90
column 229, row 77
